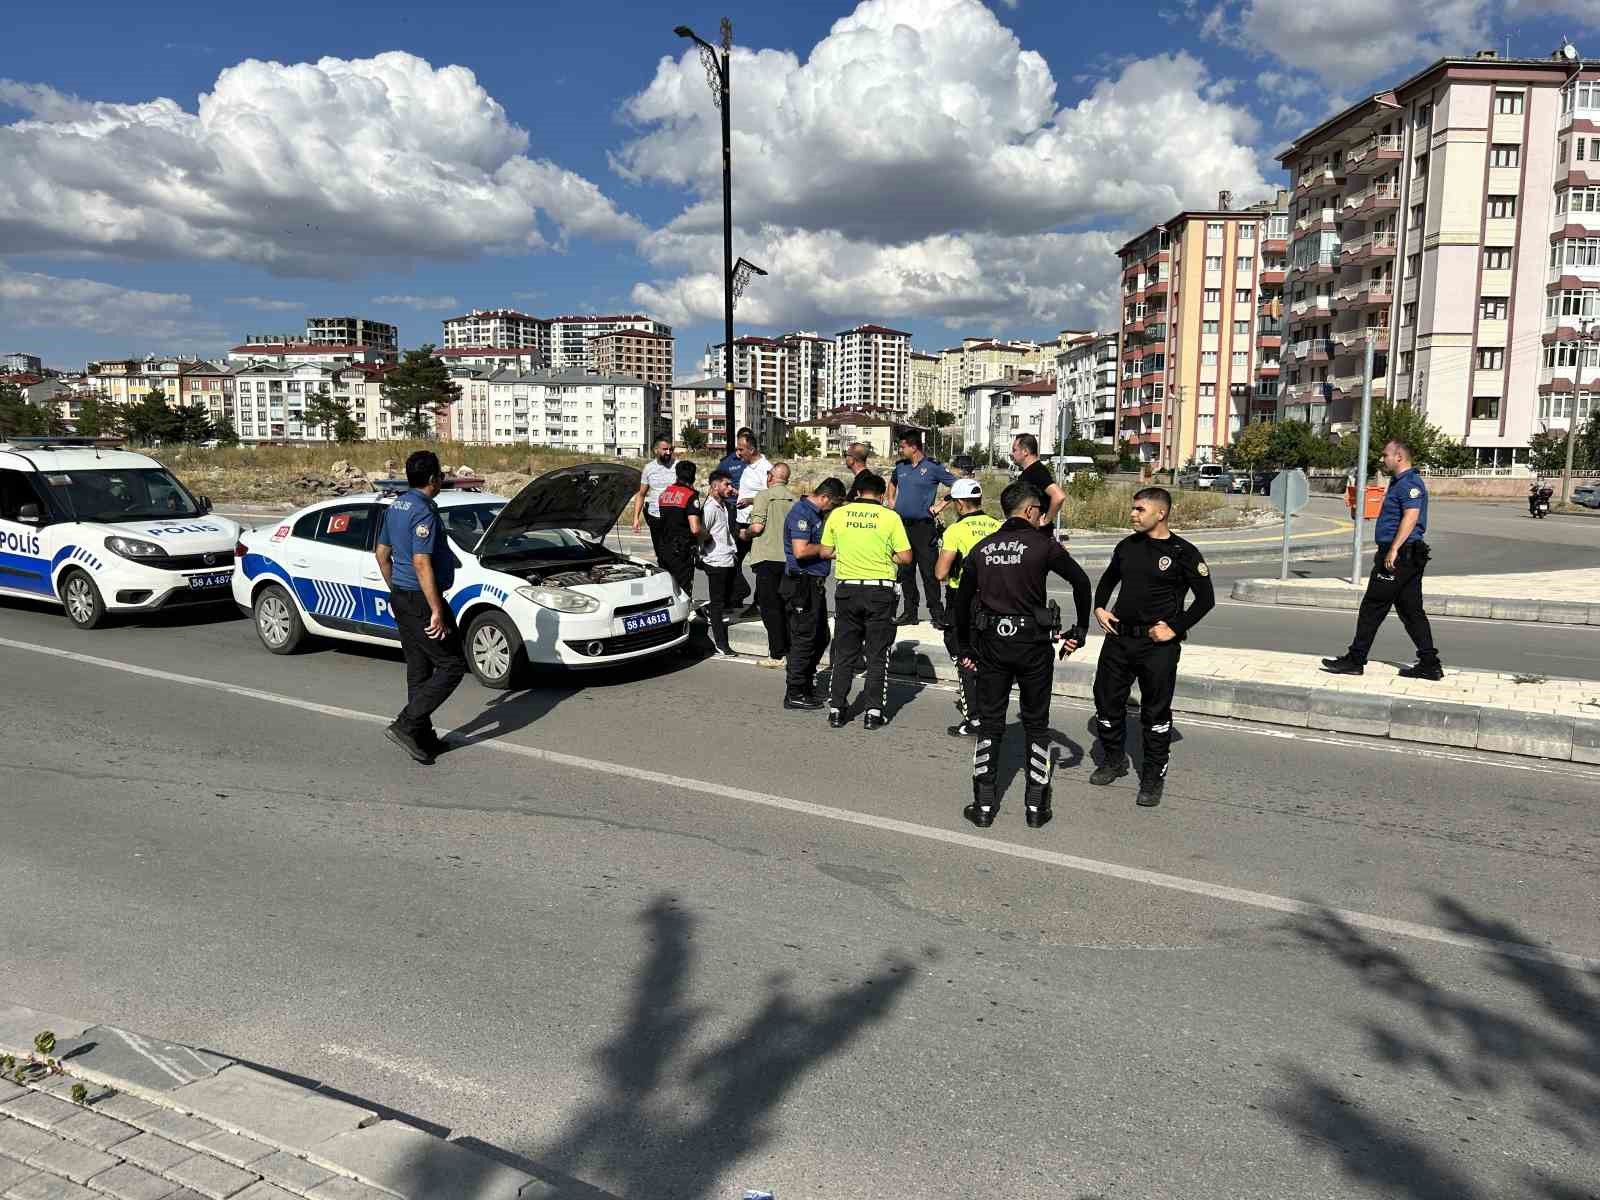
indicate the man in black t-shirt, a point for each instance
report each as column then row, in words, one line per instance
column 1155, row 569
column 1025, row 453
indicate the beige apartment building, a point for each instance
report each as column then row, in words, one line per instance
column 980, row 360
column 498, row 329
column 640, row 353
column 1453, row 221
column 874, row 369
column 795, row 371
column 925, row 377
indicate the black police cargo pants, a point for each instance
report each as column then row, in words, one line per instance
column 966, row 679
column 863, row 635
column 434, row 666
column 656, row 547
column 1400, row 589
column 1029, row 663
column 677, row 559
column 921, row 534
column 1124, row 660
column 769, row 580
column 721, row 598
column 805, row 604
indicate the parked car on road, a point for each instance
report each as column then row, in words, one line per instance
column 1233, row 483
column 1587, row 494
column 1203, row 477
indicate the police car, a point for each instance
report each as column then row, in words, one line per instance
column 100, row 530
column 535, row 581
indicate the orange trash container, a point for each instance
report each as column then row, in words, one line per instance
column 1374, row 503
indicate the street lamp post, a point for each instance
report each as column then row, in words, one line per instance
column 716, row 66
column 1586, row 334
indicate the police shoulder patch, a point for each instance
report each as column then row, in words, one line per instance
column 423, row 530
column 802, row 524
column 1415, row 492
column 1202, row 568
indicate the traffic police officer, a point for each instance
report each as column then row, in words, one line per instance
column 1004, row 624
column 971, row 526
column 419, row 567
column 1396, row 579
column 1155, row 568
column 912, row 490
column 866, row 542
column 804, row 591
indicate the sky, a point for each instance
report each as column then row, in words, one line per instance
column 175, row 175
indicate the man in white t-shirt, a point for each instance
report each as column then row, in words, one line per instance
column 658, row 475
column 752, row 482
column 719, row 558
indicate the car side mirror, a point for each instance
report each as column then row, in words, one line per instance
column 205, row 504
column 30, row 514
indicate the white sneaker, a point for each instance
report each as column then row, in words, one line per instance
column 772, row 664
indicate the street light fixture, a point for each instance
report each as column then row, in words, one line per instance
column 716, row 66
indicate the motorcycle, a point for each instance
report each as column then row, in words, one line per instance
column 1539, row 502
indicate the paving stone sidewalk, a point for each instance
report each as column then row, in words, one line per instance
column 1551, row 597
column 162, row 1121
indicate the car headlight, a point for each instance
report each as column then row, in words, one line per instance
column 560, row 599
column 134, row 548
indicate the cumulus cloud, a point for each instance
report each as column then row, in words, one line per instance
column 30, row 300
column 315, row 169
column 266, row 303
column 420, row 303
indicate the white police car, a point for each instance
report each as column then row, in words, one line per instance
column 535, row 582
column 100, row 530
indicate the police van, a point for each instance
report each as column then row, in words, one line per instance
column 100, row 530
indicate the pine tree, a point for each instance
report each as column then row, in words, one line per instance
column 418, row 391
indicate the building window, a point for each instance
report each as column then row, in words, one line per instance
column 1247, row 233
column 1505, row 155
column 1210, row 326
column 1561, row 150
column 1492, row 308
column 1408, row 313
column 1406, row 359
column 1497, row 258
column 1419, row 165
column 1416, row 216
column 1486, row 408
column 1212, row 296
column 1413, row 265
column 1241, row 329
column 1213, row 262
column 1425, row 116
column 1208, row 391
column 1245, row 263
column 1241, row 360
column 1578, row 145
column 1491, row 358
column 1213, row 229
column 1502, row 206
column 1508, row 104
column 1208, row 358
column 1243, row 296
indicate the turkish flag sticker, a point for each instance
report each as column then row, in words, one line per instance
column 339, row 523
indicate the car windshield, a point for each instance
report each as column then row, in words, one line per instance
column 126, row 494
column 465, row 523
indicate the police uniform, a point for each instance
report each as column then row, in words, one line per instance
column 434, row 666
column 804, row 591
column 1154, row 575
column 864, row 536
column 915, row 487
column 1004, row 621
column 961, row 536
column 1400, row 589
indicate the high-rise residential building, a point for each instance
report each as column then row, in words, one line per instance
column 1086, row 388
column 282, row 353
column 498, row 329
column 21, row 364
column 980, row 360
column 795, row 371
column 570, row 336
column 1201, row 305
column 924, row 381
column 873, row 369
column 1452, row 222
column 576, row 410
column 703, row 403
column 642, row 353
column 352, row 331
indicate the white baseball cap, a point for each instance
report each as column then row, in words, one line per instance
column 966, row 489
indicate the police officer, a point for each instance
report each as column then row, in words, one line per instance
column 1153, row 569
column 419, row 567
column 1004, row 624
column 971, row 526
column 804, row 592
column 912, row 491
column 866, row 543
column 1396, row 579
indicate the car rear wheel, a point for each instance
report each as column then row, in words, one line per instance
column 495, row 651
column 85, row 608
column 277, row 623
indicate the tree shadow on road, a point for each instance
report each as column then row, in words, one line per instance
column 1538, row 1065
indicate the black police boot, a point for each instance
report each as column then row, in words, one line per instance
column 1036, row 805
column 1036, row 799
column 409, row 744
column 906, row 618
column 965, row 729
column 805, row 700
column 1110, row 771
column 985, row 804
column 873, row 720
column 836, row 718
column 1344, row 665
column 1426, row 667
column 1151, row 785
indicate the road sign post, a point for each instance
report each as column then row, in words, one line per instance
column 1290, row 492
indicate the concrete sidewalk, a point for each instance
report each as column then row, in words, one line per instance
column 1483, row 710
column 1549, row 597
column 156, row 1120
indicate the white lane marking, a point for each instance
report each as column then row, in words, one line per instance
column 950, row 837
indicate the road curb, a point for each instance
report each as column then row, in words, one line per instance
column 1487, row 608
column 1372, row 714
column 188, row 1086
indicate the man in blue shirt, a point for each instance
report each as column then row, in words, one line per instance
column 912, row 492
column 1396, row 580
column 419, row 567
column 805, row 592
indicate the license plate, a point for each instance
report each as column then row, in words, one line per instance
column 215, row 579
column 649, row 620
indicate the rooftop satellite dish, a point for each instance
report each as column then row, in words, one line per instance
column 1569, row 51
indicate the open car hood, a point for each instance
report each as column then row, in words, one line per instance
column 587, row 498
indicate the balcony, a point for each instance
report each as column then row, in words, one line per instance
column 1312, row 350
column 1369, row 293
column 1368, row 247
column 1319, row 309
column 1155, row 331
column 1321, row 180
column 1155, row 287
column 1354, row 341
column 1318, row 268
column 1379, row 198
column 1268, row 370
column 1374, row 154
column 1272, row 276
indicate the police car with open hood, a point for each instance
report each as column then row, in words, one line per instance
column 535, row 581
column 100, row 531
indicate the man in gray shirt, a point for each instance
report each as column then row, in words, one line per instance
column 658, row 475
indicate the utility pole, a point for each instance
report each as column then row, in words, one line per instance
column 1361, row 462
column 1585, row 336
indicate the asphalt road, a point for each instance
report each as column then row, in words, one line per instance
column 660, row 939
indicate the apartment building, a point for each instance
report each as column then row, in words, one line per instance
column 997, row 410
column 1451, row 223
column 570, row 336
column 579, row 411
column 353, row 331
column 979, row 360
column 703, row 403
column 795, row 371
column 283, row 353
column 1202, row 298
column 488, row 359
column 924, row 381
column 873, row 368
column 22, row 364
column 182, row 381
column 1086, row 388
column 639, row 353
column 879, row 432
column 498, row 329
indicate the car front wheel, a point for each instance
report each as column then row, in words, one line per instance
column 495, row 651
column 277, row 623
column 85, row 607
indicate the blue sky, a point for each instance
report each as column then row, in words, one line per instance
column 939, row 165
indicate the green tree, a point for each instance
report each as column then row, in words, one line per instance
column 147, row 419
column 187, row 425
column 18, row 418
column 346, row 428
column 1393, row 419
column 692, row 436
column 1451, row 455
column 418, row 391
column 225, row 433
column 798, row 443
column 930, row 417
column 323, row 412
column 1250, row 447
column 96, row 417
column 1292, row 444
column 1547, row 451
column 1586, row 454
